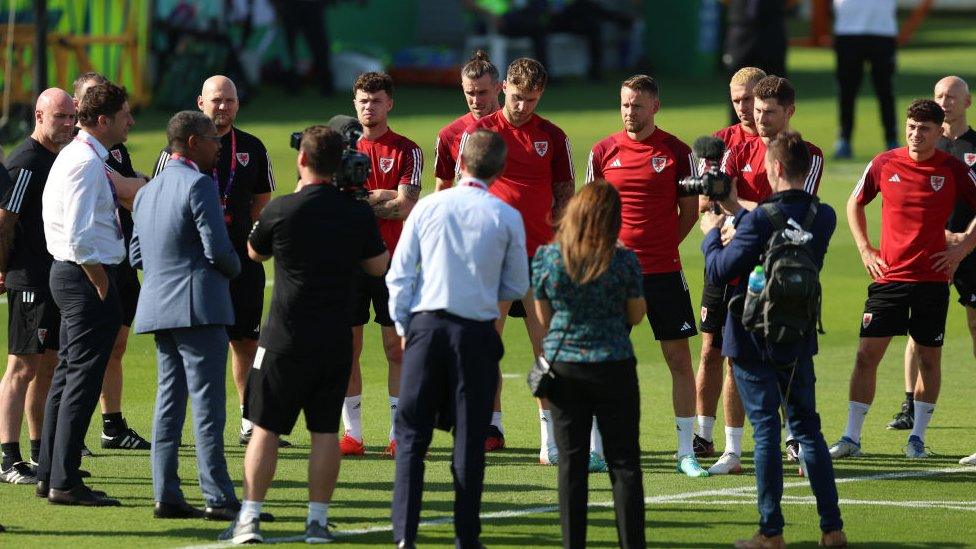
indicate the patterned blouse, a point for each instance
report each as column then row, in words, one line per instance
column 599, row 330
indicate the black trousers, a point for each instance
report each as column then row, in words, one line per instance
column 609, row 391
column 88, row 330
column 308, row 19
column 853, row 52
column 451, row 364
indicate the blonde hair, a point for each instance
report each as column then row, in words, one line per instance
column 588, row 231
column 746, row 76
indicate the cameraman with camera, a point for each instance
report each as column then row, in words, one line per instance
column 772, row 370
column 319, row 238
column 645, row 163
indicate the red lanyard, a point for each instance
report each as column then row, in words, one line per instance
column 186, row 161
column 111, row 186
column 225, row 191
column 472, row 182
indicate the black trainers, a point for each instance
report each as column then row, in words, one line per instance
column 85, row 452
column 243, row 437
column 126, row 440
column 903, row 420
column 702, row 447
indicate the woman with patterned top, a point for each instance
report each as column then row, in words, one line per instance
column 588, row 293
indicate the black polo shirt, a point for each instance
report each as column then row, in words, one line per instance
column 963, row 148
column 20, row 193
column 318, row 237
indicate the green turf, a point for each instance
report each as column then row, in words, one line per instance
column 897, row 512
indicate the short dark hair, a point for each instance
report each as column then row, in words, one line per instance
column 104, row 99
column 484, row 154
column 925, row 110
column 527, row 74
column 86, row 77
column 775, row 87
column 479, row 65
column 184, row 124
column 791, row 151
column 641, row 83
column 372, row 82
column 323, row 149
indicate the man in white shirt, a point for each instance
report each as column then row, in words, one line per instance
column 84, row 235
column 461, row 252
column 865, row 31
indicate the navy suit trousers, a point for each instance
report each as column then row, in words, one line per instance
column 454, row 361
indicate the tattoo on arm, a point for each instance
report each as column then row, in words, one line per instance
column 399, row 207
column 561, row 193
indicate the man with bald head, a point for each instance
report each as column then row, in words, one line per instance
column 959, row 140
column 116, row 433
column 244, row 181
column 34, row 320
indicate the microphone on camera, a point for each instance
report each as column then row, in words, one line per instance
column 346, row 126
column 709, row 148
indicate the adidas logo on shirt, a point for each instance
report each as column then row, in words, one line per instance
column 615, row 163
column 894, row 179
column 748, row 168
column 685, row 327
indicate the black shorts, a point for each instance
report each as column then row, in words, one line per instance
column 965, row 282
column 517, row 310
column 370, row 289
column 714, row 309
column 669, row 306
column 33, row 322
column 280, row 386
column 128, row 284
column 247, row 296
column 916, row 308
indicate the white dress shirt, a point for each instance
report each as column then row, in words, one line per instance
column 78, row 206
column 462, row 250
column 871, row 17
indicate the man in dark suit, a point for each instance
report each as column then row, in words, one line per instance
column 180, row 243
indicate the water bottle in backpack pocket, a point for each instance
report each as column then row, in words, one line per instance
column 752, row 305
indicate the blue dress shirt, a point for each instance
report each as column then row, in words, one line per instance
column 462, row 250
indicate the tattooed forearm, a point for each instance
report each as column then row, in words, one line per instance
column 399, row 207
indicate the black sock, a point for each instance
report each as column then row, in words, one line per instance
column 910, row 397
column 112, row 424
column 11, row 453
column 35, row 450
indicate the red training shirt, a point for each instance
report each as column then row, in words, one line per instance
column 539, row 154
column 917, row 199
column 646, row 173
column 446, row 147
column 747, row 162
column 395, row 161
column 734, row 135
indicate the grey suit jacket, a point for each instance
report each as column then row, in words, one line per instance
column 181, row 244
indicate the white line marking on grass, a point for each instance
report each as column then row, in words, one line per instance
column 512, row 376
column 689, row 498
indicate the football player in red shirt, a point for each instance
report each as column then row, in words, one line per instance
column 958, row 139
column 644, row 163
column 538, row 181
column 481, row 86
column 909, row 294
column 714, row 306
column 394, row 188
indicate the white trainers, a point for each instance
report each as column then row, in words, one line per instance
column 969, row 460
column 728, row 464
column 845, row 447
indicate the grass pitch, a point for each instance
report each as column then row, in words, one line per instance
column 887, row 500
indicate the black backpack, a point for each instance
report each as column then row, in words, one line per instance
column 788, row 308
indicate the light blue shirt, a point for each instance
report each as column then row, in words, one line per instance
column 462, row 250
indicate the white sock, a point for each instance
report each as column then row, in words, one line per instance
column 786, row 427
column 246, row 424
column 856, row 412
column 686, row 431
column 733, row 440
column 923, row 414
column 352, row 416
column 394, row 402
column 319, row 512
column 250, row 510
column 706, row 425
column 545, row 430
column 596, row 440
column 496, row 420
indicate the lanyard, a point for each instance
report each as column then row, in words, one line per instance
column 111, row 186
column 186, row 161
column 225, row 191
column 472, row 182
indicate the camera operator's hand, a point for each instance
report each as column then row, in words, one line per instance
column 705, row 204
column 730, row 204
column 872, row 261
column 728, row 233
column 711, row 220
